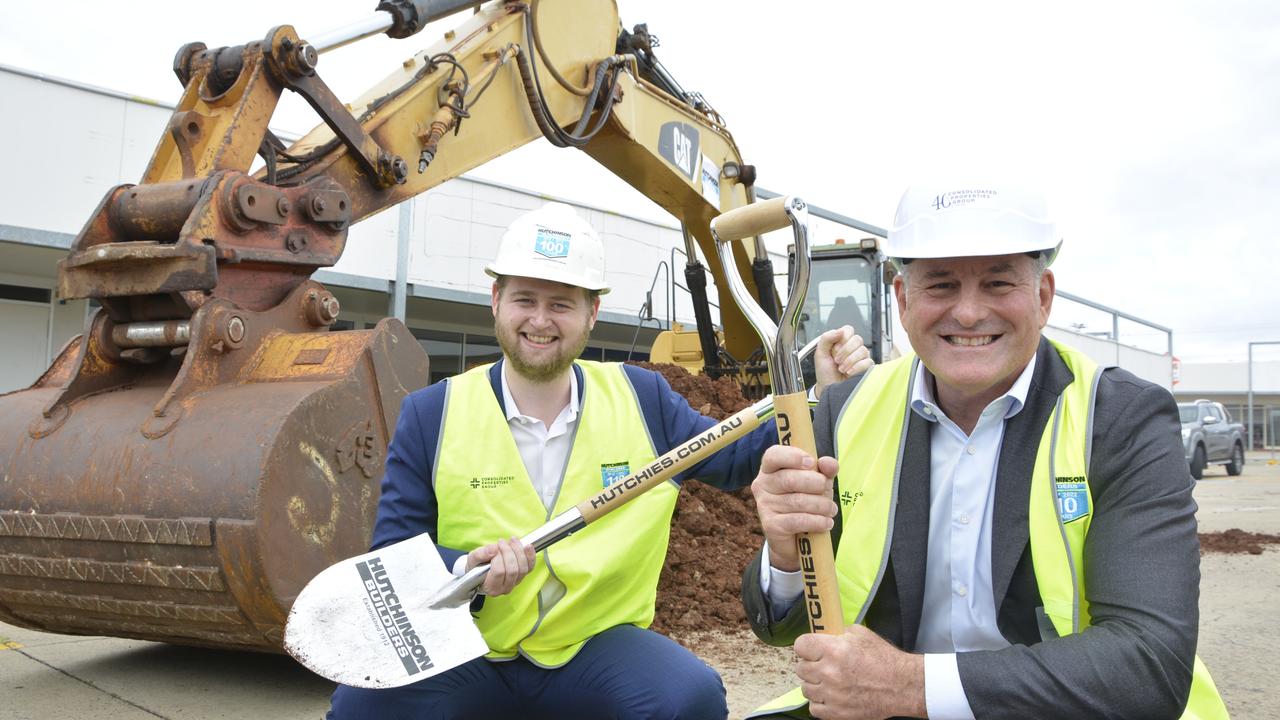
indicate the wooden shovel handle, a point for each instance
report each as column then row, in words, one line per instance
column 677, row 460
column 817, row 557
column 751, row 220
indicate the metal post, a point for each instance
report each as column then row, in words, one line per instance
column 1250, row 375
column 399, row 290
column 1115, row 336
column 48, row 339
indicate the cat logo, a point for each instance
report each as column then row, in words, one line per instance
column 678, row 144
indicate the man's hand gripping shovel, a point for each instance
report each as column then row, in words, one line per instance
column 795, row 426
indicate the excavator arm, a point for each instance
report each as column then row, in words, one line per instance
column 207, row 445
column 199, row 225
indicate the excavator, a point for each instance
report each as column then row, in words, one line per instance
column 209, row 443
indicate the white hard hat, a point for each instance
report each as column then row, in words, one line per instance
column 965, row 220
column 552, row 243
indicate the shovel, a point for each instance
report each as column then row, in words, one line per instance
column 795, row 426
column 396, row 616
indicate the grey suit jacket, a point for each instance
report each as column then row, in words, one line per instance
column 1142, row 562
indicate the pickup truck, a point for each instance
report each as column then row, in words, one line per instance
column 1209, row 436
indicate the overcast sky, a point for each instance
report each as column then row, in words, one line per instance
column 1154, row 126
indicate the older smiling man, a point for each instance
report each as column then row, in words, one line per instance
column 1015, row 530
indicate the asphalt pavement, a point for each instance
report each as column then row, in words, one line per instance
column 63, row 676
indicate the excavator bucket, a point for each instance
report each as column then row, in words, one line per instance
column 190, row 500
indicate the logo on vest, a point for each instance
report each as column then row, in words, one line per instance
column 849, row 499
column 490, row 482
column 1073, row 497
column 613, row 472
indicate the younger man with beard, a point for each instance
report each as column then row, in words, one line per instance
column 498, row 450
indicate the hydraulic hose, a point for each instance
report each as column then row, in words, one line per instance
column 542, row 53
column 537, row 105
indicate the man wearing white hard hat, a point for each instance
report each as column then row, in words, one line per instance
column 494, row 452
column 1014, row 528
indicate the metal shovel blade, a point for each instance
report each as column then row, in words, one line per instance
column 366, row 621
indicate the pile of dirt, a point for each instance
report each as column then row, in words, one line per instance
column 713, row 534
column 1236, row 541
column 714, row 398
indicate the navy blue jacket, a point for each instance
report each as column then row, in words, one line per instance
column 408, row 505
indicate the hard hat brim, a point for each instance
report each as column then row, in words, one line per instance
column 972, row 232
column 551, row 273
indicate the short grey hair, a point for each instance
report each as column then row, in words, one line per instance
column 1039, row 263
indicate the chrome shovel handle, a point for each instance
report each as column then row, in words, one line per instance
column 778, row 341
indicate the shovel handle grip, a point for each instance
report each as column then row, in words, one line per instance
column 751, row 220
column 817, row 556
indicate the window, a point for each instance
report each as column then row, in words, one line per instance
column 444, row 349
column 25, row 294
column 481, row 349
column 839, row 294
column 623, row 355
column 600, row 354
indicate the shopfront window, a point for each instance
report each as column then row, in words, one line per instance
column 639, row 355
column 444, row 349
column 481, row 349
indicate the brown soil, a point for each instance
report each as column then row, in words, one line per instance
column 1236, row 541
column 714, row 398
column 713, row 533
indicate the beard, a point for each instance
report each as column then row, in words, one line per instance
column 540, row 371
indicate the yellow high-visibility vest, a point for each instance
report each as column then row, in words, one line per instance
column 609, row 570
column 872, row 428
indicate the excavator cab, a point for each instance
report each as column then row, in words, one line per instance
column 848, row 286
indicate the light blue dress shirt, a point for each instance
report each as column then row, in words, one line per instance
column 959, row 613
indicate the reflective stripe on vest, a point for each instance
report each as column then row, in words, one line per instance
column 872, row 429
column 609, row 569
